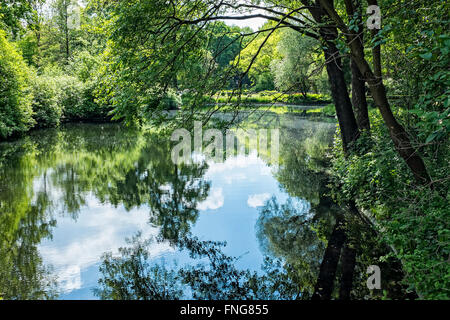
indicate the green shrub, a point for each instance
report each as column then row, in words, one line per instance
column 411, row 219
column 70, row 96
column 84, row 66
column 46, row 107
column 15, row 93
column 66, row 98
column 264, row 81
column 329, row 110
column 77, row 100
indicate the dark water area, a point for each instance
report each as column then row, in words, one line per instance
column 101, row 202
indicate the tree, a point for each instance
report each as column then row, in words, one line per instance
column 374, row 78
column 67, row 16
column 294, row 71
column 359, row 100
column 260, row 72
column 164, row 57
column 15, row 96
column 14, row 12
column 224, row 44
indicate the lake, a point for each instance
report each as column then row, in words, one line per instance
column 69, row 196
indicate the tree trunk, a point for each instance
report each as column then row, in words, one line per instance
column 359, row 100
column 341, row 99
column 67, row 39
column 398, row 134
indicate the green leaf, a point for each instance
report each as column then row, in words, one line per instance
column 426, row 56
column 431, row 137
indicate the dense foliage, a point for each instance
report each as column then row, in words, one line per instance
column 135, row 60
column 15, row 95
column 413, row 221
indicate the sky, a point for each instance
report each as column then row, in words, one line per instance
column 255, row 23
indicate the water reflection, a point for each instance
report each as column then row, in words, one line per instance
column 131, row 275
column 69, row 196
column 24, row 221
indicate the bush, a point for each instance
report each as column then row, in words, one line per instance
column 15, row 93
column 46, row 107
column 84, row 66
column 64, row 98
column 412, row 219
column 77, row 100
column 70, row 96
column 264, row 81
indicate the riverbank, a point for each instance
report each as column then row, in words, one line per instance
column 269, row 97
column 324, row 111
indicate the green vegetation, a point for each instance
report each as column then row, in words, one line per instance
column 41, row 87
column 413, row 221
column 269, row 97
column 15, row 97
column 63, row 61
column 329, row 110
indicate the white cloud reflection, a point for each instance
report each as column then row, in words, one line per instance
column 78, row 245
column 257, row 200
column 214, row 201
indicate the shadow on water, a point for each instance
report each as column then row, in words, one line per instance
column 53, row 175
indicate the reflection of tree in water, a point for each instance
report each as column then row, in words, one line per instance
column 22, row 274
column 24, row 222
column 351, row 243
column 127, row 168
column 122, row 168
column 171, row 191
column 291, row 235
column 53, row 172
column 132, row 275
column 289, row 231
column 139, row 173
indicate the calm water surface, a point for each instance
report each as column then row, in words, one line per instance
column 70, row 195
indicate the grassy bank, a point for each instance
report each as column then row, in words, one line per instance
column 269, row 97
column 327, row 111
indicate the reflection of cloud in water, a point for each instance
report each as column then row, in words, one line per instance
column 238, row 161
column 214, row 201
column 257, row 200
column 233, row 169
column 79, row 245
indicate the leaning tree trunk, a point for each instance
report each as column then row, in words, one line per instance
column 341, row 99
column 359, row 100
column 398, row 134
